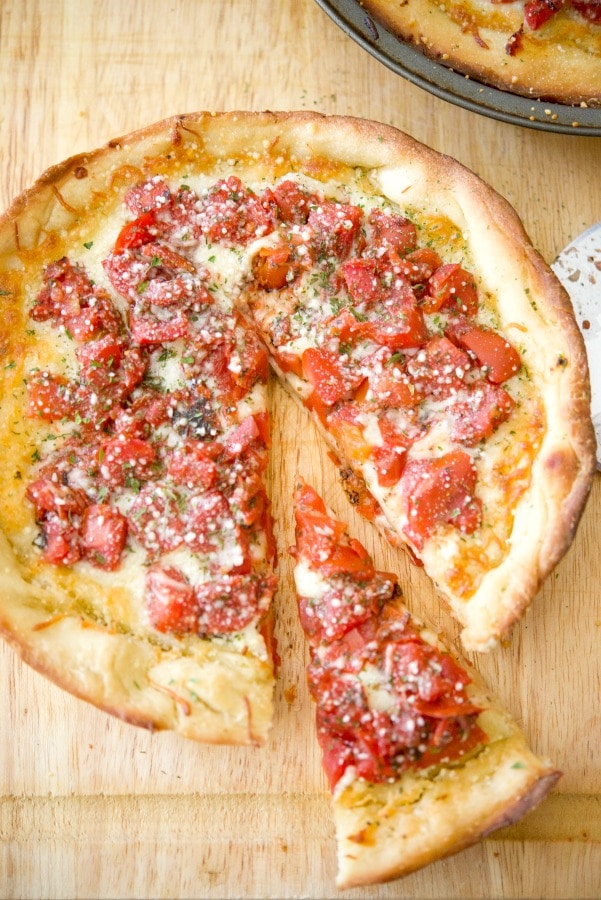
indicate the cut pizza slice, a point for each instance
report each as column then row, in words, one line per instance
column 422, row 762
column 440, row 359
column 139, row 573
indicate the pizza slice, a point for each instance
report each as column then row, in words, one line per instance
column 407, row 311
column 139, row 573
column 422, row 762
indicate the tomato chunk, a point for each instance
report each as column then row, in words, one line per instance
column 335, row 227
column 492, row 351
column 170, row 600
column 394, row 232
column 453, row 288
column 440, row 491
column 487, row 406
column 323, row 370
column 103, row 535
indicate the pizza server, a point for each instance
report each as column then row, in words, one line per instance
column 578, row 267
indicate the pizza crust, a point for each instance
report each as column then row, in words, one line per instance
column 389, row 830
column 560, row 62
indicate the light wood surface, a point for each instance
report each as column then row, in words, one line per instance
column 90, row 807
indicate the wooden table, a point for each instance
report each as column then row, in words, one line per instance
column 90, row 807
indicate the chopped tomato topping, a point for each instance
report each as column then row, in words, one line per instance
column 590, row 11
column 274, row 267
column 231, row 603
column 103, row 534
column 362, row 279
column 324, row 371
column 170, row 600
column 453, row 288
column 440, row 491
column 231, row 214
column 492, row 351
column 392, row 231
column 149, row 195
column 294, row 204
column 334, row 227
column 193, row 464
column 322, row 539
column 439, row 369
column 50, row 397
column 477, row 417
column 122, row 460
column 389, row 460
column 537, row 12
column 136, row 233
column 419, row 265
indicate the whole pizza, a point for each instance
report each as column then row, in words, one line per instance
column 147, row 289
column 547, row 49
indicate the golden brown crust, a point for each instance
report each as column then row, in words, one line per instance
column 561, row 61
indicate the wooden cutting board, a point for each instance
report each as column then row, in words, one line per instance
column 90, row 807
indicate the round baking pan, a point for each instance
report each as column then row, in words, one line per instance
column 409, row 62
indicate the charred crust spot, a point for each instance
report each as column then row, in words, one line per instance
column 562, row 362
column 80, row 172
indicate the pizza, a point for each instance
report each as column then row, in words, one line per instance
column 421, row 761
column 544, row 49
column 146, row 285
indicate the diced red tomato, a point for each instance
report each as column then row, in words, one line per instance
column 397, row 323
column 453, row 288
column 136, row 233
column 324, row 540
column 193, row 464
column 590, row 11
column 439, row 491
column 335, row 226
column 148, row 329
column 228, row 604
column 49, row 496
column 439, row 369
column 103, row 535
column 389, row 461
column 60, row 542
column 274, row 267
column 537, row 12
column 289, row 362
column 491, row 349
column 245, row 437
column 122, row 459
column 477, row 417
column 433, row 678
column 231, row 214
column 153, row 194
column 393, row 231
column 419, row 265
column 323, row 370
column 65, row 285
column 294, row 203
column 99, row 360
column 389, row 386
column 362, row 280
column 50, row 397
column 170, row 601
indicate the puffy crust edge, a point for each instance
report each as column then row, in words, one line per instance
column 387, row 831
column 532, row 72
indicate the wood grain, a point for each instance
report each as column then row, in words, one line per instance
column 90, row 807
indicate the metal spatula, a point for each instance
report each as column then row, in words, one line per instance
column 578, row 267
